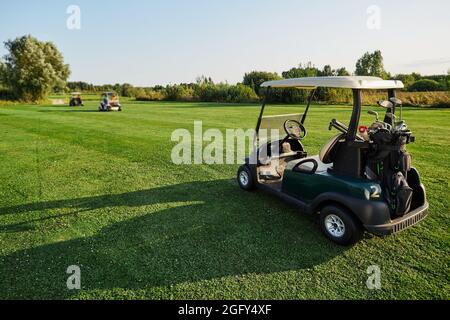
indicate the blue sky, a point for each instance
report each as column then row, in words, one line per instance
column 170, row 41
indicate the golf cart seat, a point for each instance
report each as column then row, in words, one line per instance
column 327, row 152
column 309, row 165
column 319, row 163
column 267, row 154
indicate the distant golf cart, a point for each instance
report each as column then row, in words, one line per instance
column 76, row 100
column 361, row 180
column 110, row 102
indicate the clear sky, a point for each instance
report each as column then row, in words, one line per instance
column 170, row 41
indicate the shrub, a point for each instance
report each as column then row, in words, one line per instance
column 6, row 94
column 254, row 79
column 178, row 93
column 407, row 79
column 150, row 95
column 338, row 95
column 208, row 92
column 241, row 93
column 436, row 98
column 425, row 85
column 221, row 92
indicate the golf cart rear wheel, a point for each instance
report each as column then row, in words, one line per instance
column 338, row 225
column 245, row 178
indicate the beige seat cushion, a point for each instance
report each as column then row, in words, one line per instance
column 322, row 167
column 324, row 154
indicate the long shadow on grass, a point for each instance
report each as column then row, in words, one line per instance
column 203, row 230
column 72, row 110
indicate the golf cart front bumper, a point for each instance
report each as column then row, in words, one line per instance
column 401, row 223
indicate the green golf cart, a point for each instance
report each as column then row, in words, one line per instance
column 361, row 180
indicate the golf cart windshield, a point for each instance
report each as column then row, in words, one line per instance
column 276, row 122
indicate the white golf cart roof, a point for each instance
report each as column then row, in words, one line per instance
column 350, row 82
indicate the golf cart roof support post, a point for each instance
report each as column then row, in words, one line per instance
column 310, row 98
column 391, row 94
column 356, row 114
column 263, row 106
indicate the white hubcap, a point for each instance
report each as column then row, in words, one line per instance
column 335, row 226
column 243, row 177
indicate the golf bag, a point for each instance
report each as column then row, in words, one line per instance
column 392, row 163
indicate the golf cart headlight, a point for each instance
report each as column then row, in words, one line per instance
column 375, row 192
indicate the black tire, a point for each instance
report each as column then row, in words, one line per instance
column 339, row 225
column 245, row 178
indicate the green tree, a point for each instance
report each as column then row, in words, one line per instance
column 309, row 70
column 342, row 72
column 255, row 79
column 32, row 68
column 2, row 72
column 371, row 64
column 407, row 79
column 204, row 80
column 330, row 72
column 127, row 90
column 327, row 71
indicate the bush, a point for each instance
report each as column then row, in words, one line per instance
column 254, row 79
column 178, row 93
column 436, row 98
column 204, row 92
column 6, row 94
column 209, row 92
column 338, row 95
column 297, row 96
column 150, row 95
column 241, row 93
column 425, row 85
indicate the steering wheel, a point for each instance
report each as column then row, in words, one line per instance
column 295, row 129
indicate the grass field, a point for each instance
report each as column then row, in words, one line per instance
column 99, row 190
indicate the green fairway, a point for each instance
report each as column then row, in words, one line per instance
column 99, row 190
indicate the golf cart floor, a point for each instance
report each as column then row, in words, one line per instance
column 274, row 184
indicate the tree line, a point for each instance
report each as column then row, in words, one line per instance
column 249, row 90
column 32, row 69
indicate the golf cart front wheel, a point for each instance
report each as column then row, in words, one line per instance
column 245, row 178
column 338, row 225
